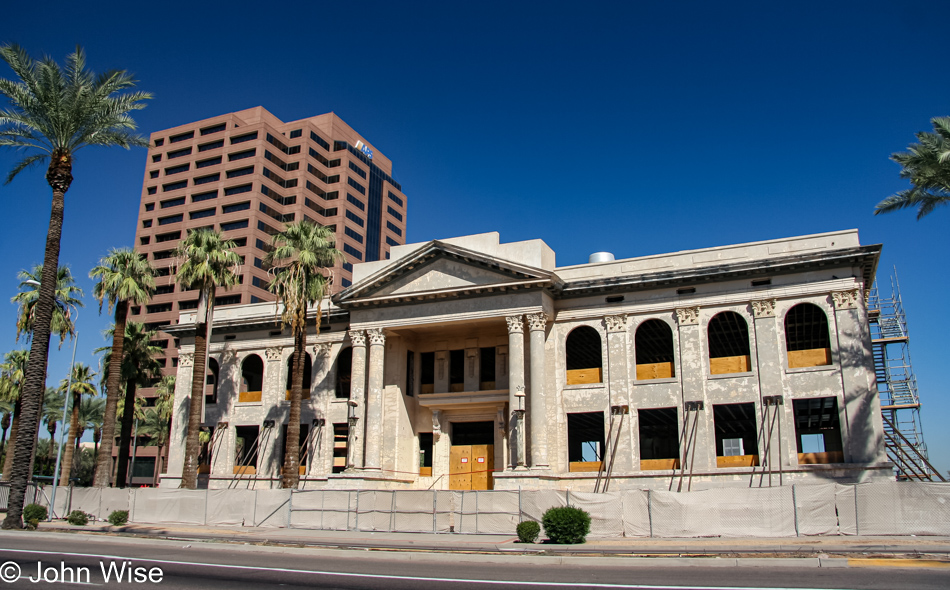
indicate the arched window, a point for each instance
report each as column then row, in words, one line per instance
column 344, row 370
column 252, row 379
column 307, row 370
column 728, row 336
column 654, row 346
column 806, row 336
column 584, row 364
column 211, row 382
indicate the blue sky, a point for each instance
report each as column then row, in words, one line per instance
column 636, row 128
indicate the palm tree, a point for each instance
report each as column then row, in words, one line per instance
column 6, row 408
column 52, row 414
column 139, row 368
column 207, row 261
column 65, row 300
column 12, row 373
column 125, row 276
column 158, row 420
column 927, row 165
column 301, row 257
column 91, row 410
column 53, row 112
column 81, row 385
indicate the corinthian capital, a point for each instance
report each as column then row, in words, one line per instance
column 687, row 316
column 537, row 321
column 515, row 324
column 616, row 323
column 763, row 308
column 846, row 299
column 357, row 337
column 376, row 336
column 186, row 360
column 273, row 353
column 321, row 349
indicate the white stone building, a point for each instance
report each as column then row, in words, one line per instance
column 468, row 363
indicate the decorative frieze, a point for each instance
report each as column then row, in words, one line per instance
column 537, row 321
column 515, row 324
column 846, row 299
column 687, row 316
column 616, row 323
column 764, row 308
column 186, row 359
column 273, row 353
column 376, row 336
column 357, row 337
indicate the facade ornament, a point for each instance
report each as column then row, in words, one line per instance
column 273, row 353
column 687, row 316
column 764, row 308
column 357, row 337
column 515, row 324
column 321, row 349
column 436, row 424
column 186, row 359
column 537, row 321
column 616, row 323
column 846, row 299
column 376, row 336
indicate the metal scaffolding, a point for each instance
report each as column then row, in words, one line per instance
column 897, row 385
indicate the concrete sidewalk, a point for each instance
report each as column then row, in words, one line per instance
column 931, row 548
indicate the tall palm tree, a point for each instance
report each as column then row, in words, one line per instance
column 12, row 374
column 66, row 302
column 6, row 408
column 91, row 410
column 158, row 421
column 52, row 415
column 82, row 384
column 207, row 261
column 927, row 165
column 125, row 277
column 54, row 112
column 139, row 368
column 301, row 257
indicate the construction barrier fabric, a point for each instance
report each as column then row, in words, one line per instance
column 888, row 508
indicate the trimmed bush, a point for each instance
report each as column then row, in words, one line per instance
column 34, row 512
column 78, row 518
column 31, row 524
column 118, row 517
column 528, row 531
column 567, row 525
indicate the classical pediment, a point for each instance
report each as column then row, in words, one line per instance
column 443, row 269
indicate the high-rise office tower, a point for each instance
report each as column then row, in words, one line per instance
column 247, row 174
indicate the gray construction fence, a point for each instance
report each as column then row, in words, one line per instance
column 888, row 508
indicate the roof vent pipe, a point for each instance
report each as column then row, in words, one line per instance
column 600, row 257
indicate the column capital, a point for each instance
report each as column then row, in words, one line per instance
column 273, row 353
column 846, row 299
column 687, row 316
column 537, row 321
column 186, row 359
column 436, row 424
column 357, row 337
column 763, row 308
column 376, row 336
column 321, row 349
column 515, row 324
column 616, row 323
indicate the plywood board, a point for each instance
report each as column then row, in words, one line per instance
column 738, row 461
column 482, row 463
column 815, row 357
column 584, row 466
column 729, row 364
column 820, row 458
column 581, row 376
column 460, row 467
column 654, row 371
column 249, row 396
column 658, row 464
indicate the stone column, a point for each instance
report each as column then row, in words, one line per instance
column 320, row 397
column 374, row 399
column 617, row 369
column 694, row 367
column 274, row 392
column 537, row 322
column 516, row 454
column 769, row 366
column 358, row 397
column 176, row 441
column 862, row 429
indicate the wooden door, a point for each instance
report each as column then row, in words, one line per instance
column 483, row 462
column 460, row 467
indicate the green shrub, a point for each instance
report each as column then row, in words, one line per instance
column 31, row 524
column 567, row 525
column 78, row 518
column 528, row 531
column 118, row 517
column 34, row 512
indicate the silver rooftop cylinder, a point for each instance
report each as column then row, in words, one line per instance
column 600, row 257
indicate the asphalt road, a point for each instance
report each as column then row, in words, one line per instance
column 185, row 564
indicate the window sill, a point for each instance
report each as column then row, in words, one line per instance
column 339, row 400
column 656, row 381
column 731, row 375
column 248, row 404
column 819, row 368
column 585, row 386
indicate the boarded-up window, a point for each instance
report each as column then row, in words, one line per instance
column 486, row 369
column 427, row 373
column 344, row 371
column 584, row 358
column 728, row 337
column 736, row 440
column 341, row 433
column 806, row 336
column 252, row 379
column 456, row 370
column 307, row 375
column 818, row 430
column 585, row 441
column 654, row 348
column 211, row 382
column 245, row 449
column 659, row 439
